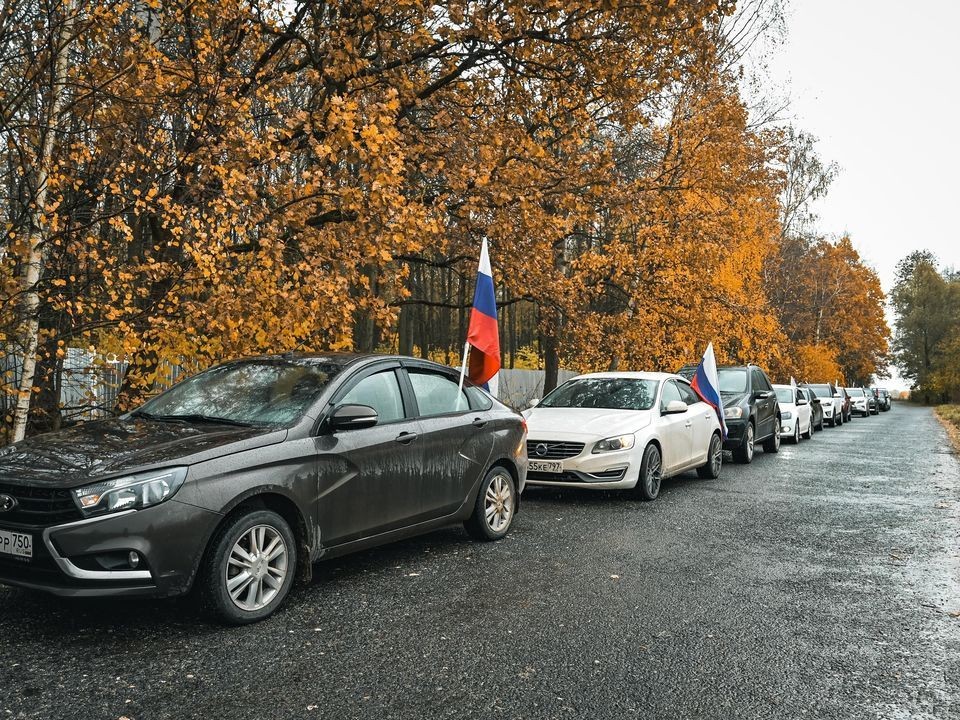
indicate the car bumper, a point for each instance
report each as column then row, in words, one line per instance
column 605, row 471
column 735, row 432
column 786, row 428
column 85, row 558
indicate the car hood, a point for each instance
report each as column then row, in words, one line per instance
column 92, row 450
column 733, row 399
column 563, row 423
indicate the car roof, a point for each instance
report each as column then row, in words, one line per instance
column 629, row 375
column 782, row 387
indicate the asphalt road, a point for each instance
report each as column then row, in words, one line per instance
column 821, row 583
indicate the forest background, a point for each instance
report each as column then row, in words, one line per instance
column 184, row 182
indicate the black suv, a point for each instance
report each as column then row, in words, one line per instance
column 749, row 407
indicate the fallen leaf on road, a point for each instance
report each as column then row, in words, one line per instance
column 954, row 614
column 615, row 577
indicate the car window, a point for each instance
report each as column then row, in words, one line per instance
column 760, row 383
column 437, row 394
column 732, row 380
column 479, row 400
column 670, row 394
column 687, row 394
column 821, row 391
column 380, row 391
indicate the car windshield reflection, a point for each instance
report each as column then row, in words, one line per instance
column 604, row 393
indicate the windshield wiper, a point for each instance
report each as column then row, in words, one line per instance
column 192, row 418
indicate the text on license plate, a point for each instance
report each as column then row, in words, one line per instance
column 551, row 466
column 16, row 543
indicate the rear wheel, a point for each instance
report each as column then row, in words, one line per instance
column 250, row 568
column 495, row 507
column 744, row 453
column 651, row 474
column 710, row 470
column 809, row 433
column 772, row 443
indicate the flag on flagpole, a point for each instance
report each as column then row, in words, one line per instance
column 706, row 383
column 482, row 351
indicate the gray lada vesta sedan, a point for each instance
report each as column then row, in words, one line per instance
column 239, row 478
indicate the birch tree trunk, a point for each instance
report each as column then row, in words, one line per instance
column 29, row 328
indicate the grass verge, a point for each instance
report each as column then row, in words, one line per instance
column 949, row 417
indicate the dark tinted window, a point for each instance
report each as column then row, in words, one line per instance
column 687, row 394
column 613, row 393
column 258, row 393
column 760, row 382
column 381, row 392
column 437, row 394
column 732, row 380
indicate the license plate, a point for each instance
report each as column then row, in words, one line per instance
column 16, row 544
column 550, row 466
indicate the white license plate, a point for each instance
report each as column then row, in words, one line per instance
column 16, row 544
column 550, row 466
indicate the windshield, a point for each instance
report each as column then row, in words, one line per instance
column 855, row 391
column 821, row 391
column 732, row 380
column 785, row 395
column 612, row 393
column 250, row 393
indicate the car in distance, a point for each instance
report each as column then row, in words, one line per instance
column 830, row 402
column 883, row 398
column 859, row 402
column 239, row 478
column 873, row 401
column 796, row 419
column 846, row 403
column 621, row 430
column 816, row 408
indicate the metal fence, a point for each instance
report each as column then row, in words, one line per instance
column 519, row 387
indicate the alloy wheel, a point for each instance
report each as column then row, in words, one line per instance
column 256, row 568
column 498, row 503
column 654, row 476
column 716, row 459
column 750, row 442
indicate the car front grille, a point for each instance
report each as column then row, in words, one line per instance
column 577, row 477
column 40, row 507
column 552, row 450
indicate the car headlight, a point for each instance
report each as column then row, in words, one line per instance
column 621, row 442
column 733, row 413
column 786, row 415
column 132, row 492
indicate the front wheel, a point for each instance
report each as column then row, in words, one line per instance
column 250, row 568
column 744, row 453
column 808, row 435
column 796, row 433
column 651, row 474
column 495, row 507
column 710, row 470
column 772, row 444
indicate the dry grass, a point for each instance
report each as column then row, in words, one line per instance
column 949, row 416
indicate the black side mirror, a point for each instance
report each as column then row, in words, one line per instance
column 353, row 417
column 763, row 394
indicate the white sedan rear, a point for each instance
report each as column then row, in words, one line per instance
column 621, row 430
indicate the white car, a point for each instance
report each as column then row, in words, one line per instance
column 795, row 413
column 621, row 430
column 859, row 402
column 830, row 402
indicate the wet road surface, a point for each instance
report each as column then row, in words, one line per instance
column 823, row 582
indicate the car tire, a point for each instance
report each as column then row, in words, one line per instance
column 710, row 470
column 260, row 544
column 772, row 444
column 809, row 433
column 651, row 474
column 744, row 453
column 495, row 508
column 796, row 433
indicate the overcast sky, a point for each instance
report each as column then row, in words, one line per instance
column 879, row 84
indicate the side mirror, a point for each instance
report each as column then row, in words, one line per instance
column 816, row 401
column 353, row 417
column 802, row 401
column 675, row 407
column 533, row 402
column 763, row 394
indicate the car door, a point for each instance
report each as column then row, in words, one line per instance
column 456, row 439
column 369, row 478
column 804, row 411
column 676, row 431
column 766, row 404
column 702, row 416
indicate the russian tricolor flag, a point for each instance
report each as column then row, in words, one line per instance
column 483, row 336
column 707, row 385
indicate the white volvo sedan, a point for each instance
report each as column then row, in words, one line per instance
column 621, row 430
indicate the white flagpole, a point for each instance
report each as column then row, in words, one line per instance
column 463, row 371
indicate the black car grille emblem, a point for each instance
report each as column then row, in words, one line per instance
column 541, row 449
column 7, row 503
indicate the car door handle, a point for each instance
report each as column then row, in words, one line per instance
column 405, row 438
column 478, row 422
column 688, row 424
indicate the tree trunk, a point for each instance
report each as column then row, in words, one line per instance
column 29, row 328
